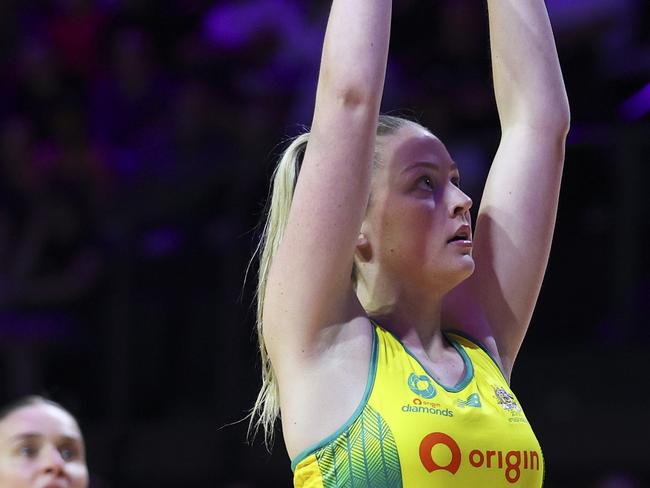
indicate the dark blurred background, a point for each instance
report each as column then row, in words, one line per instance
column 136, row 142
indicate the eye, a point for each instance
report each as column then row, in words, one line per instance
column 68, row 453
column 425, row 183
column 28, row 451
column 456, row 181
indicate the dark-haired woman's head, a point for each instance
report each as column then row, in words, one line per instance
column 41, row 446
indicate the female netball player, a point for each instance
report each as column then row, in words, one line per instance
column 40, row 446
column 368, row 261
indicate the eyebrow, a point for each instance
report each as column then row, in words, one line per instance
column 429, row 165
column 28, row 435
column 35, row 435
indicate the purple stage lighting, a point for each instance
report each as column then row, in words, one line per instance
column 637, row 105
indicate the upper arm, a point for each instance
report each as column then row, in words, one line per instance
column 512, row 241
column 309, row 284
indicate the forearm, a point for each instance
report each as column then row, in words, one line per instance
column 528, row 82
column 355, row 50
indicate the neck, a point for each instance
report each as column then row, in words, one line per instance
column 412, row 313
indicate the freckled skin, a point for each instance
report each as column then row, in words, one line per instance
column 41, row 446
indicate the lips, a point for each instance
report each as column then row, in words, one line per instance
column 59, row 483
column 464, row 233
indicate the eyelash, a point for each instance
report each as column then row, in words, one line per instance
column 454, row 181
column 427, row 180
column 27, row 451
column 67, row 453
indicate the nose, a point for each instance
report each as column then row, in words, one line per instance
column 460, row 202
column 53, row 463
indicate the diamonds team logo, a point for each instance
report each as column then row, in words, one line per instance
column 422, row 386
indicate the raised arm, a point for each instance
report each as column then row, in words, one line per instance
column 517, row 213
column 309, row 285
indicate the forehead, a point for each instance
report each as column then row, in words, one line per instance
column 45, row 420
column 413, row 144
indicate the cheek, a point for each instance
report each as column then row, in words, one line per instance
column 15, row 474
column 410, row 230
column 78, row 474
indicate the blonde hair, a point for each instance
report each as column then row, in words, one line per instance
column 283, row 182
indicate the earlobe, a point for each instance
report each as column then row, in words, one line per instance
column 364, row 250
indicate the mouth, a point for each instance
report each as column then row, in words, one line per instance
column 55, row 484
column 462, row 235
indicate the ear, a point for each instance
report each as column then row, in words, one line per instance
column 363, row 249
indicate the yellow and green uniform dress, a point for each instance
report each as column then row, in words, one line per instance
column 410, row 431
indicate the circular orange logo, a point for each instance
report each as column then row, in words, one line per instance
column 432, row 440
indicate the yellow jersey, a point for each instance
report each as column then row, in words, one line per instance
column 411, row 431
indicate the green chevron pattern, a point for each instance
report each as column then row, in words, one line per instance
column 364, row 455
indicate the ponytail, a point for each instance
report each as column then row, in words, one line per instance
column 267, row 405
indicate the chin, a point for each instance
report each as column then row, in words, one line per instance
column 462, row 271
column 452, row 276
column 469, row 265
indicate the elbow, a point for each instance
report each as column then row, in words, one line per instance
column 566, row 121
column 558, row 125
column 560, row 120
column 356, row 98
column 553, row 119
column 352, row 89
column 349, row 91
column 556, row 117
column 547, row 111
column 562, row 125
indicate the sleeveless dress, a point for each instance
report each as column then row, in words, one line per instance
column 410, row 431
